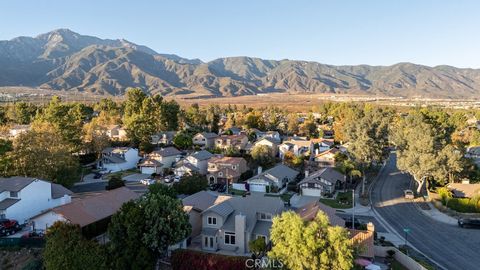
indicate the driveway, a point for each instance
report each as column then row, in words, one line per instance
column 448, row 245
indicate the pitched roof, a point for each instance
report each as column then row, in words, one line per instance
column 328, row 174
column 95, row 208
column 464, row 190
column 202, row 155
column 150, row 162
column 115, row 150
column 270, row 139
column 203, row 200
column 364, row 240
column 15, row 183
column 167, row 152
column 6, row 203
column 309, row 212
column 58, row 191
column 329, row 151
column 226, row 160
column 208, row 135
column 278, row 172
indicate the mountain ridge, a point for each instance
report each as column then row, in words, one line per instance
column 65, row 60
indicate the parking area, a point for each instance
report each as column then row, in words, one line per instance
column 136, row 177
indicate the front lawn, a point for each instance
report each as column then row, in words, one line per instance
column 342, row 201
column 236, row 192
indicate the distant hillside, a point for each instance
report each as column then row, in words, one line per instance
column 65, row 60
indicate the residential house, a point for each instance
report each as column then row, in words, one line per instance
column 196, row 203
column 167, row 156
column 200, row 160
column 17, row 130
column 310, row 210
column 149, row 165
column 296, row 145
column 326, row 158
column 464, row 189
column 229, row 226
column 92, row 213
column 115, row 159
column 163, row 138
column 183, row 167
column 24, row 197
column 272, row 180
column 474, row 154
column 222, row 168
column 205, row 139
column 237, row 142
column 116, row 132
column 322, row 145
column 234, row 130
column 364, row 241
column 268, row 142
column 322, row 182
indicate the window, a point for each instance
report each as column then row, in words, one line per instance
column 13, row 194
column 264, row 216
column 229, row 238
column 220, row 174
column 212, row 221
column 311, row 185
column 234, row 167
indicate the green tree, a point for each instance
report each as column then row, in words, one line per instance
column 258, row 247
column 310, row 245
column 66, row 248
column 169, row 112
column 292, row 161
column 190, row 184
column 161, row 189
column 125, row 231
column 43, row 153
column 166, row 222
column 263, row 155
column 115, row 181
column 292, row 124
column 183, row 140
column 22, row 113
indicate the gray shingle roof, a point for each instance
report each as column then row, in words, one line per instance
column 200, row 200
column 5, row 204
column 15, row 183
column 168, row 152
column 223, row 209
column 328, row 174
column 262, row 228
column 209, row 135
column 58, row 191
column 278, row 172
column 202, row 155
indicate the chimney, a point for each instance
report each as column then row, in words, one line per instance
column 465, row 181
column 259, row 170
column 306, row 174
column 240, row 227
column 370, row 227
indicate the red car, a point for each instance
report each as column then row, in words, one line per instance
column 8, row 227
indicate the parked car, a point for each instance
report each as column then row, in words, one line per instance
column 409, row 194
column 222, row 188
column 177, row 178
column 214, row 187
column 469, row 222
column 148, row 181
column 168, row 179
column 97, row 175
column 9, row 226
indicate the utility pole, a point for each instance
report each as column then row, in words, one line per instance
column 353, row 208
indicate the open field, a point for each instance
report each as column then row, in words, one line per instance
column 292, row 102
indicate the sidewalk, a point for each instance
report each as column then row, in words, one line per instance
column 435, row 214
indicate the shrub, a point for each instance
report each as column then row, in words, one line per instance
column 189, row 259
column 463, row 205
column 114, row 182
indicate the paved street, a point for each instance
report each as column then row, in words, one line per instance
column 448, row 245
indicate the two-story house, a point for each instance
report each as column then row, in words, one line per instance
column 24, row 197
column 268, row 142
column 297, row 146
column 116, row 132
column 222, row 168
column 273, row 135
column 237, row 142
column 230, row 225
column 322, row 182
column 167, row 156
column 116, row 159
column 163, row 138
column 200, row 160
column 322, row 144
column 205, row 139
column 326, row 158
column 272, row 179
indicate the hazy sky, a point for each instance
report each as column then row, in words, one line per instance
column 382, row 32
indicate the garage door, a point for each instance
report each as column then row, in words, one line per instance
column 257, row 188
column 311, row 192
column 148, row 170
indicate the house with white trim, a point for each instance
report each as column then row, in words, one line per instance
column 115, row 159
column 275, row 178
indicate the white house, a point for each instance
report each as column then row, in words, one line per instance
column 150, row 166
column 297, row 146
column 205, row 139
column 117, row 159
column 23, row 197
column 272, row 179
column 167, row 156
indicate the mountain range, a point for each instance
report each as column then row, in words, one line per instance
column 65, row 60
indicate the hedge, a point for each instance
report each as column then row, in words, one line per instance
column 464, row 205
column 183, row 259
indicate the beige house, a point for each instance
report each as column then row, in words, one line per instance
column 205, row 139
column 222, row 168
column 268, row 142
column 238, row 142
column 326, row 158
